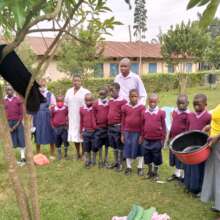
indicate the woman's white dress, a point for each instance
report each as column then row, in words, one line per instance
column 74, row 102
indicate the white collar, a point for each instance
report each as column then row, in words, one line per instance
column 101, row 103
column 118, row 99
column 56, row 108
column 134, row 106
column 155, row 111
column 200, row 114
column 86, row 108
column 180, row 112
column 10, row 99
column 126, row 77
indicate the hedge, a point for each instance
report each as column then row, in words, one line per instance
column 153, row 82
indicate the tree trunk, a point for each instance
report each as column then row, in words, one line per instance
column 31, row 168
column 183, row 78
column 11, row 163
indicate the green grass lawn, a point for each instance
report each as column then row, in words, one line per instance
column 68, row 191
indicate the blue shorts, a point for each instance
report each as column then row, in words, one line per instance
column 89, row 141
column 17, row 135
column 114, row 137
column 101, row 138
column 61, row 135
column 152, row 152
column 132, row 148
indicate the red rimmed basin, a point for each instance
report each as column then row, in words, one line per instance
column 197, row 141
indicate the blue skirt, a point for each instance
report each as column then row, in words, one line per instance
column 193, row 177
column 44, row 133
column 174, row 161
column 17, row 135
column 132, row 148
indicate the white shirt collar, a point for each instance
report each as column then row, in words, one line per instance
column 56, row 108
column 10, row 99
column 86, row 108
column 101, row 103
column 128, row 76
column 180, row 112
column 155, row 111
column 134, row 106
column 200, row 114
column 118, row 99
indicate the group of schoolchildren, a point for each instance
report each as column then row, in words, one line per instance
column 133, row 131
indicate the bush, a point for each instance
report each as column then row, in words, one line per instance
column 153, row 82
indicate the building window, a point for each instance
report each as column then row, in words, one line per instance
column 170, row 68
column 98, row 70
column 113, row 69
column 135, row 68
column 152, row 68
column 189, row 67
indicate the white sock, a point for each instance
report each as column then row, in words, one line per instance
column 140, row 161
column 182, row 174
column 177, row 173
column 22, row 152
column 128, row 162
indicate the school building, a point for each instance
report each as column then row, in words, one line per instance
column 152, row 61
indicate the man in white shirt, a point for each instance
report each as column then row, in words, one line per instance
column 129, row 80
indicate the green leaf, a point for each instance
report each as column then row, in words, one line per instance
column 203, row 2
column 192, row 3
column 209, row 14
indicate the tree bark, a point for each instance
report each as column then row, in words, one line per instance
column 31, row 168
column 21, row 196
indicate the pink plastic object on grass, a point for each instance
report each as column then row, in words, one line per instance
column 157, row 216
column 40, row 159
column 119, row 218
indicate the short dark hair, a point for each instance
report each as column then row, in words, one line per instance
column 182, row 96
column 115, row 85
column 201, row 96
column 103, row 88
column 133, row 90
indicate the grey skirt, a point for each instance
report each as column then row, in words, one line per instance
column 211, row 183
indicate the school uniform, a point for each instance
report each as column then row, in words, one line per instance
column 114, row 123
column 14, row 112
column 87, row 128
column 179, row 125
column 101, row 109
column 154, row 133
column 131, row 128
column 59, row 120
column 44, row 133
column 194, row 174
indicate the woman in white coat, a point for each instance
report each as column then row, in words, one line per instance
column 74, row 99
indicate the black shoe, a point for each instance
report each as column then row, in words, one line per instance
column 128, row 171
column 140, row 172
column 106, row 164
column 156, row 177
column 119, row 168
column 21, row 162
column 148, row 176
column 172, row 178
column 215, row 210
column 113, row 165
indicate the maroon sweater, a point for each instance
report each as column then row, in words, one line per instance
column 101, row 114
column 115, row 113
column 59, row 116
column 14, row 108
column 198, row 121
column 132, row 117
column 154, row 125
column 87, row 120
column 179, row 123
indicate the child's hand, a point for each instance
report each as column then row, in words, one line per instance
column 206, row 129
column 122, row 139
column 11, row 130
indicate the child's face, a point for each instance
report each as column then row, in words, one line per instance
column 182, row 103
column 153, row 102
column 199, row 104
column 59, row 99
column 89, row 100
column 9, row 92
column 133, row 98
column 114, row 93
column 103, row 94
column 77, row 82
